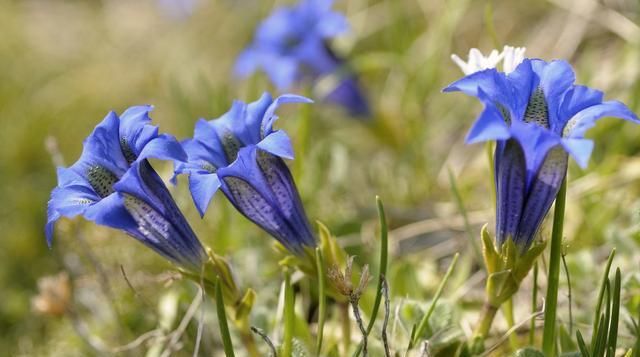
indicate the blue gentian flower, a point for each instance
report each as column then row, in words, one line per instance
column 113, row 184
column 242, row 155
column 538, row 117
column 291, row 45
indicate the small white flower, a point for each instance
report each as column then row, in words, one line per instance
column 511, row 57
column 477, row 61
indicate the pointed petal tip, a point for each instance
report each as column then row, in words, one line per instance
column 450, row 88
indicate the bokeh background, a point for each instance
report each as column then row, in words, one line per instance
column 65, row 64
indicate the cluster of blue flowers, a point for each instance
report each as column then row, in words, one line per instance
column 538, row 117
column 291, row 46
column 113, row 184
column 534, row 111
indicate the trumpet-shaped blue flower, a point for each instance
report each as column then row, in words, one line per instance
column 538, row 117
column 112, row 184
column 242, row 155
column 292, row 44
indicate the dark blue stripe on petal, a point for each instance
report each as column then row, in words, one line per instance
column 253, row 205
column 285, row 192
column 510, row 189
column 541, row 195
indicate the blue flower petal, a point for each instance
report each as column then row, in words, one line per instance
column 584, row 120
column 68, row 201
column 489, row 126
column 247, row 63
column 489, row 84
column 523, row 82
column 579, row 149
column 575, row 100
column 110, row 212
column 102, row 148
column 332, row 24
column 269, row 116
column 282, row 71
column 556, row 77
column 52, row 218
column 163, row 147
column 277, row 143
column 510, row 190
column 153, row 208
column 536, row 142
column 245, row 185
column 348, row 94
column 203, row 187
column 253, row 117
column 541, row 195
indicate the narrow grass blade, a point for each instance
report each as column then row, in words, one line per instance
column 534, row 305
column 473, row 242
column 581, row 345
column 605, row 279
column 222, row 322
column 551, row 302
column 322, row 299
column 615, row 313
column 289, row 316
column 384, row 257
column 422, row 326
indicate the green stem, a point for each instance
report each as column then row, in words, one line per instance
column 488, row 314
column 473, row 241
column 384, row 257
column 384, row 253
column 322, row 299
column 534, row 305
column 551, row 302
column 346, row 325
column 507, row 310
column 222, row 322
column 289, row 316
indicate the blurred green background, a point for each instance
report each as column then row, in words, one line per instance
column 65, row 64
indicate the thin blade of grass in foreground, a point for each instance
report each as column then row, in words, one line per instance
column 222, row 322
column 384, row 257
column 322, row 299
column 422, row 326
column 615, row 313
column 289, row 316
column 605, row 279
column 467, row 226
column 549, row 331
column 581, row 345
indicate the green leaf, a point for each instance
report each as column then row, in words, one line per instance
column 289, row 316
column 605, row 280
column 222, row 322
column 615, row 313
column 322, row 299
column 581, row 345
column 246, row 304
column 566, row 342
column 491, row 256
column 526, row 261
